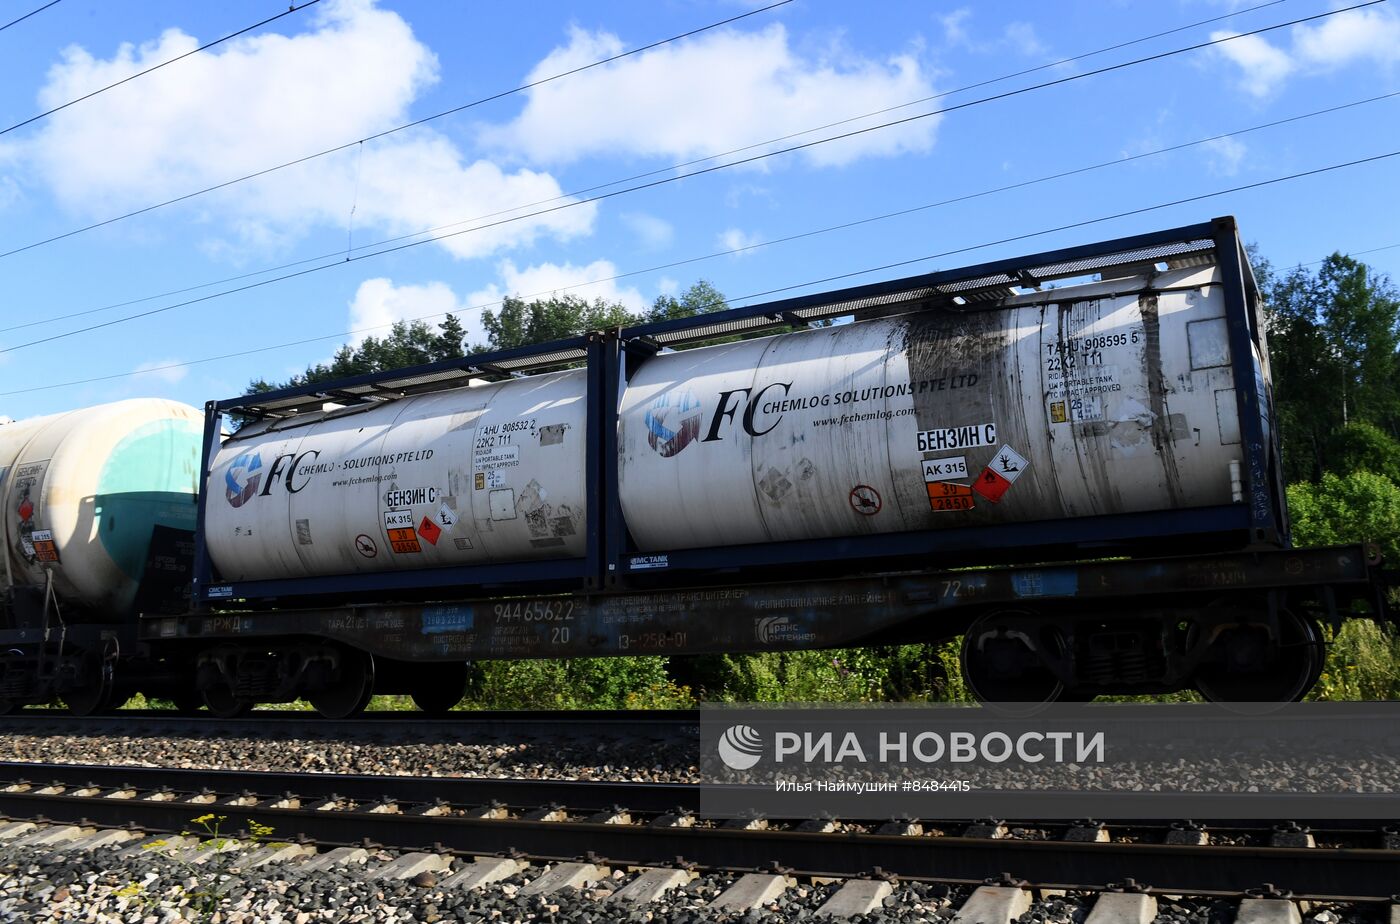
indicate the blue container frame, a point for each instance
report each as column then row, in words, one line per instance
column 567, row 574
column 1260, row 522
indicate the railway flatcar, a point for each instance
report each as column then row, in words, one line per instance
column 1068, row 458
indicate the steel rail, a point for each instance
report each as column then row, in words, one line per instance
column 1354, row 872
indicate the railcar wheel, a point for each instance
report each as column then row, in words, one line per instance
column 350, row 692
column 1002, row 662
column 222, row 703
column 440, row 686
column 1251, row 667
column 94, row 697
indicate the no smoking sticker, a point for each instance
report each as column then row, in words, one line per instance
column 865, row 500
column 365, row 546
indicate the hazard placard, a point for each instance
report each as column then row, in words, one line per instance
column 996, row 479
column 44, row 548
column 943, row 496
column 404, row 541
column 430, row 531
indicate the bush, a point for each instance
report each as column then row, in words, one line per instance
column 1362, row 447
column 892, row 673
column 1358, row 507
column 1363, row 663
column 578, row 683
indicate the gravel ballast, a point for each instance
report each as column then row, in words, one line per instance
column 152, row 888
column 624, row 759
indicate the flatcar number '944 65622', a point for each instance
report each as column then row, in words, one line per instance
column 535, row 611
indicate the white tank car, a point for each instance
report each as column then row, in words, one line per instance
column 83, row 490
column 487, row 473
column 1107, row 398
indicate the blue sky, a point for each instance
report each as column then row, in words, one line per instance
column 341, row 70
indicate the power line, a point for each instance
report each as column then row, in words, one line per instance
column 673, row 179
column 390, row 131
column 155, row 67
column 805, row 234
column 15, row 22
column 1351, row 253
column 849, row 120
column 679, row 166
column 826, row 279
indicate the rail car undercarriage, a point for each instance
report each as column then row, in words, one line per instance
column 1243, row 626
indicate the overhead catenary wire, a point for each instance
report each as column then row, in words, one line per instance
column 1376, row 158
column 54, row 318
column 707, row 170
column 155, row 67
column 35, row 12
column 384, row 134
column 1022, row 184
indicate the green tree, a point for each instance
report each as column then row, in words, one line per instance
column 1333, row 338
column 701, row 298
column 1363, row 447
column 521, row 323
column 406, row 344
column 1358, row 507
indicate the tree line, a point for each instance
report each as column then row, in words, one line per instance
column 517, row 323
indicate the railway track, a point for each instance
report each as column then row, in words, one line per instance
column 402, row 726
column 628, row 825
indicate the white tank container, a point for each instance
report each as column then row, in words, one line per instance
column 488, row 473
column 1095, row 399
column 83, row 490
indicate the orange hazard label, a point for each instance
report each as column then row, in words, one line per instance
column 403, row 541
column 44, row 548
column 943, row 495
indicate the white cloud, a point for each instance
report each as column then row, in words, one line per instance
column 653, row 233
column 1370, row 36
column 1021, row 36
column 9, row 192
column 161, row 370
column 721, row 91
column 547, row 279
column 737, row 239
column 955, row 27
column 1018, row 36
column 379, row 303
column 1262, row 65
column 735, row 195
column 1226, row 154
column 270, row 98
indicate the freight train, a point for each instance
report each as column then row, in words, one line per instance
column 1069, row 459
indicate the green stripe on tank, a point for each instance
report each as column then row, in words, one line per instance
column 150, row 479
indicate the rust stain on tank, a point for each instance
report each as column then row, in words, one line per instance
column 1157, row 394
